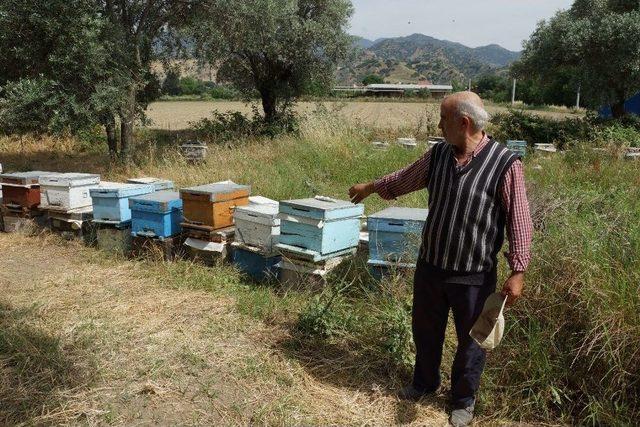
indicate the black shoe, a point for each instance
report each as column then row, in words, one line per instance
column 411, row 393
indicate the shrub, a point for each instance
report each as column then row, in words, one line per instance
column 223, row 127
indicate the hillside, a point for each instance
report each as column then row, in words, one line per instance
column 417, row 57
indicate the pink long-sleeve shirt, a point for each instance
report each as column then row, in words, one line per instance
column 513, row 199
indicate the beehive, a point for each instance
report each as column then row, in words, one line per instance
column 21, row 189
column 518, row 147
column 67, row 191
column 157, row 214
column 258, row 225
column 111, row 201
column 253, row 262
column 395, row 234
column 319, row 225
column 212, row 205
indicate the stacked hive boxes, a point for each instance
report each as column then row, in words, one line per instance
column 395, row 235
column 112, row 215
column 155, row 223
column 66, row 199
column 208, row 218
column 257, row 232
column 315, row 235
column 20, row 199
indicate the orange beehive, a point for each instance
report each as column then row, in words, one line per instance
column 212, row 205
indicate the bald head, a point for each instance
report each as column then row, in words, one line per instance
column 467, row 104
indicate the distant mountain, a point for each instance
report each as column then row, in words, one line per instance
column 365, row 43
column 420, row 57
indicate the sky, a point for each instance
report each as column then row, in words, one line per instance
column 470, row 22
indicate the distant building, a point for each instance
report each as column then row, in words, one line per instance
column 399, row 89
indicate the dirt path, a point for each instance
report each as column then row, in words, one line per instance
column 94, row 341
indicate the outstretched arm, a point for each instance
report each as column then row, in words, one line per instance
column 407, row 180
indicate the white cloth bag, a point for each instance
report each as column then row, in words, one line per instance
column 489, row 328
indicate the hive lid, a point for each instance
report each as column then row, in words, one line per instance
column 70, row 179
column 265, row 211
column 401, row 213
column 321, row 207
column 158, row 184
column 24, row 178
column 159, row 196
column 220, row 191
column 120, row 189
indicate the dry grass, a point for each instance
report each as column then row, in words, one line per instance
column 119, row 345
column 176, row 115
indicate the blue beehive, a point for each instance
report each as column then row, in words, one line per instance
column 254, row 263
column 156, row 214
column 320, row 225
column 518, row 147
column 395, row 234
column 111, row 201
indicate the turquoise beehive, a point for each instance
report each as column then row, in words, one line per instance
column 319, row 225
column 111, row 200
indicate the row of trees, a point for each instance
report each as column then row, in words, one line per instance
column 74, row 63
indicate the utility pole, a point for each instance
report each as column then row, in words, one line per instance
column 578, row 98
column 513, row 92
column 469, row 89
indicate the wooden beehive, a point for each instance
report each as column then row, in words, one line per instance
column 518, row 147
column 194, row 151
column 111, row 200
column 113, row 239
column 395, row 234
column 67, row 191
column 320, row 225
column 254, row 262
column 258, row 226
column 22, row 188
column 157, row 214
column 212, row 205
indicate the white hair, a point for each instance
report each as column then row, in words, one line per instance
column 478, row 115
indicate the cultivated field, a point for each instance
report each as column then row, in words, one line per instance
column 175, row 115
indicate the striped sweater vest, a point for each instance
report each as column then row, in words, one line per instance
column 465, row 227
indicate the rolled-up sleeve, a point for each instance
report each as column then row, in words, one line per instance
column 404, row 181
column 519, row 224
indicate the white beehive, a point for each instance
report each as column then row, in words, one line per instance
column 258, row 225
column 407, row 142
column 67, row 191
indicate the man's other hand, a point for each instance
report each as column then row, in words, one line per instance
column 359, row 192
column 513, row 286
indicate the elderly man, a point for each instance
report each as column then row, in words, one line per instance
column 476, row 189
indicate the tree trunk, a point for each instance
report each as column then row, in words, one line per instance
column 127, row 121
column 269, row 106
column 617, row 109
column 112, row 142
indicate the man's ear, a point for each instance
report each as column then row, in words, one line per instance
column 465, row 123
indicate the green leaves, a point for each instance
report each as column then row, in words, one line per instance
column 597, row 40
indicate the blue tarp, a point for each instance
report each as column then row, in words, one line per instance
column 631, row 106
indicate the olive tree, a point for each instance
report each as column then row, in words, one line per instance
column 274, row 48
column 595, row 41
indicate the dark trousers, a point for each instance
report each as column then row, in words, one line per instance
column 433, row 296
